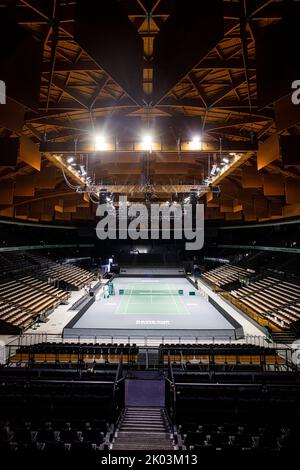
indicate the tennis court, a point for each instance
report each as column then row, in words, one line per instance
column 153, row 298
column 151, row 306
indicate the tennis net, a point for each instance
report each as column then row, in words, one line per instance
column 135, row 291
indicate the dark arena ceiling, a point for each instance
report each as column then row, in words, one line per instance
column 133, row 94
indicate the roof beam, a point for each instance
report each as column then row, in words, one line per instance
column 97, row 91
column 65, row 27
column 235, row 107
column 65, row 124
column 55, row 32
column 196, row 103
column 80, row 66
column 198, row 88
column 32, row 15
column 231, row 64
column 268, row 9
column 71, row 93
column 61, row 110
column 34, row 131
column 234, row 122
column 236, row 162
column 57, row 161
column 232, row 87
column 207, row 147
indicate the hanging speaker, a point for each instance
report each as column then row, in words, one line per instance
column 277, row 60
column 185, row 38
column 20, row 61
column 105, row 32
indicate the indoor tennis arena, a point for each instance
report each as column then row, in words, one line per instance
column 149, row 231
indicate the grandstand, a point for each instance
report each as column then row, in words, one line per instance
column 271, row 300
column 149, row 232
column 26, row 298
column 224, row 275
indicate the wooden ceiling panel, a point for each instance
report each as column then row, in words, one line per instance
column 29, row 153
column 268, row 151
column 25, row 186
column 251, row 178
column 6, row 193
column 292, row 192
column 273, row 185
column 216, row 99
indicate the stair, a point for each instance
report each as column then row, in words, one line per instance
column 153, row 358
column 143, row 428
column 148, row 358
column 142, row 357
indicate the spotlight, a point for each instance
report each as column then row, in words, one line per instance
column 214, row 170
column 70, row 159
column 225, row 160
column 100, row 143
column 195, row 143
column 82, row 170
column 147, row 142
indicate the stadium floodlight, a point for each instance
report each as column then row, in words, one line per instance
column 147, row 142
column 195, row 143
column 100, row 143
column 82, row 170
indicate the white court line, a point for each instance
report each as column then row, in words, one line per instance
column 128, row 301
column 117, row 311
column 180, row 306
column 183, row 304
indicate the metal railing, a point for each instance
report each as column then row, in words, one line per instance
column 118, row 390
column 170, row 392
column 32, row 339
column 139, row 340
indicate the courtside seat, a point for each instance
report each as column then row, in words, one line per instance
column 74, row 353
column 218, row 354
